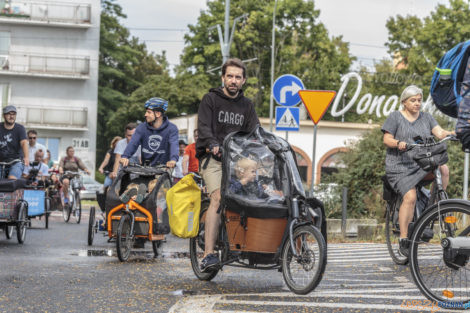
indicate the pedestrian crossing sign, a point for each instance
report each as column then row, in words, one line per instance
column 317, row 102
column 287, row 118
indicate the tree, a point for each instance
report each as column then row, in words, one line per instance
column 124, row 64
column 303, row 46
column 419, row 44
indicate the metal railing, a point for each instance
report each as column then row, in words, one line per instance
column 78, row 13
column 46, row 64
column 53, row 117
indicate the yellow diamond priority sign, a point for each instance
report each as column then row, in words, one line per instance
column 317, row 102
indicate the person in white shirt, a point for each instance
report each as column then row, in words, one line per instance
column 121, row 146
column 178, row 171
column 43, row 169
column 33, row 144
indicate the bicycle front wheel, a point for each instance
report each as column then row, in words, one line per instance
column 439, row 272
column 91, row 226
column 77, row 207
column 21, row 223
column 302, row 273
column 392, row 233
column 125, row 238
column 66, row 212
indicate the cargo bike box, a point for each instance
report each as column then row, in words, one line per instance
column 13, row 207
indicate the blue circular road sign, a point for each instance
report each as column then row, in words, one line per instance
column 286, row 90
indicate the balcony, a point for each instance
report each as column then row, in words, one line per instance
column 55, row 14
column 60, row 118
column 35, row 65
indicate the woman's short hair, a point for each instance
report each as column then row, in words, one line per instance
column 114, row 141
column 410, row 91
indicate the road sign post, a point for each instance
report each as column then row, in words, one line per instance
column 317, row 103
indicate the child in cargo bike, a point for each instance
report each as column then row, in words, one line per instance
column 246, row 184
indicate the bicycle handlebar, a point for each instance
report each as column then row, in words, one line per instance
column 11, row 162
column 72, row 173
column 410, row 146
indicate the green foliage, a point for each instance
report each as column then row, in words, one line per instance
column 302, row 46
column 365, row 165
column 124, row 64
column 421, row 43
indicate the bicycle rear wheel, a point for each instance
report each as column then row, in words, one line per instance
column 392, row 232
column 197, row 245
column 303, row 273
column 439, row 275
column 9, row 231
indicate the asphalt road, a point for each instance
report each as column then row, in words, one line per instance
column 55, row 271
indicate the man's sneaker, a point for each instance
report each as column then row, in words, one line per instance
column 210, row 261
column 404, row 247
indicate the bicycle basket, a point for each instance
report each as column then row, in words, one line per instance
column 428, row 158
column 77, row 183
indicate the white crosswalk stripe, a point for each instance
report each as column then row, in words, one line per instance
column 358, row 278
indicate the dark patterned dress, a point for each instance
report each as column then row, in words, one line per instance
column 403, row 173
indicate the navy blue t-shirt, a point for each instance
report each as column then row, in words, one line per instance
column 10, row 142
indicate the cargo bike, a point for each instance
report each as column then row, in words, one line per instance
column 36, row 195
column 13, row 207
column 268, row 223
column 135, row 209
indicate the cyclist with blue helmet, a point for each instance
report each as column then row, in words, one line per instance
column 158, row 137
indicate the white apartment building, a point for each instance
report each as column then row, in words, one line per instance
column 49, row 71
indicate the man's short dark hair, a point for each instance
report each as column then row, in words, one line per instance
column 181, row 142
column 234, row 62
column 32, row 131
column 130, row 126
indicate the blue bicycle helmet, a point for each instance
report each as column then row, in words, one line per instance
column 156, row 104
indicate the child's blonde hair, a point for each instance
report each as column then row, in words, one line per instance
column 244, row 164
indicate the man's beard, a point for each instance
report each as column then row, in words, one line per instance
column 232, row 93
column 8, row 122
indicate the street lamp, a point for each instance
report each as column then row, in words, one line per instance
column 272, row 69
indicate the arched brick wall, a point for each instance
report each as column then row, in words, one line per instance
column 323, row 159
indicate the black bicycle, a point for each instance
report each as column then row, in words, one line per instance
column 423, row 202
column 439, row 264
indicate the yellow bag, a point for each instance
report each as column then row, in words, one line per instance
column 184, row 205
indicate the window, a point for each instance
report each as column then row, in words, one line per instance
column 52, row 144
column 4, row 43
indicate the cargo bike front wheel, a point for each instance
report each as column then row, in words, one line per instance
column 303, row 270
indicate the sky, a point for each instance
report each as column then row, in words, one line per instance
column 162, row 24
